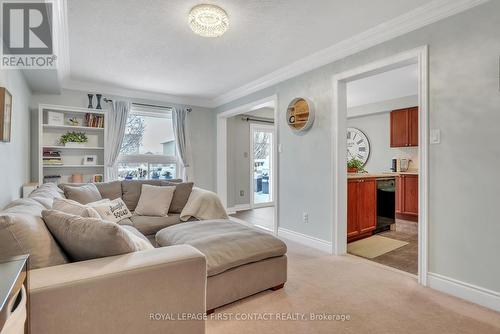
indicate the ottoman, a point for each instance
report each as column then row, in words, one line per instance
column 241, row 261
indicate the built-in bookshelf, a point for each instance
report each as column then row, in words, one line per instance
column 58, row 162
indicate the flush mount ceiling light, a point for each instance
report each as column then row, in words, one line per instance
column 208, row 20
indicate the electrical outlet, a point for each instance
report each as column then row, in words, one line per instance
column 305, row 218
column 245, row 154
column 242, row 193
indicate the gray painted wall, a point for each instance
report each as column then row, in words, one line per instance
column 238, row 161
column 202, row 123
column 377, row 128
column 464, row 104
column 15, row 155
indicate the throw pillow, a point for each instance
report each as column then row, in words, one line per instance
column 181, row 195
column 154, row 200
column 85, row 238
column 112, row 211
column 75, row 208
column 83, row 194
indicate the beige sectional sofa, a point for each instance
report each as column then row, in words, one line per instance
column 137, row 292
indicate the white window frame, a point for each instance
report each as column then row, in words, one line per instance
column 151, row 159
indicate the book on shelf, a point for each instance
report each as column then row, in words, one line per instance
column 52, row 157
column 52, row 179
column 94, row 121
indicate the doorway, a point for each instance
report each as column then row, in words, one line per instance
column 340, row 210
column 261, row 165
column 247, row 179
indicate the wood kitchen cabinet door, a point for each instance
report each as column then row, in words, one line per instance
column 399, row 128
column 413, row 126
column 404, row 127
column 352, row 209
column 367, row 206
column 410, row 204
column 407, row 196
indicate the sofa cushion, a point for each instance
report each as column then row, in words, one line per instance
column 131, row 191
column 46, row 193
column 110, row 190
column 136, row 232
column 154, row 200
column 148, row 225
column 74, row 208
column 85, row 194
column 112, row 211
column 22, row 231
column 225, row 244
column 181, row 195
column 89, row 238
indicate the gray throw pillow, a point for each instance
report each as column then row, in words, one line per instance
column 83, row 194
column 181, row 195
column 86, row 238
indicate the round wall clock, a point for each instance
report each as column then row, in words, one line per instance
column 358, row 146
column 300, row 114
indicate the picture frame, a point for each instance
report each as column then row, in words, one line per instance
column 5, row 115
column 90, row 160
column 97, row 178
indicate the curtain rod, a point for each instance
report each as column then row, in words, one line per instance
column 146, row 105
column 258, row 119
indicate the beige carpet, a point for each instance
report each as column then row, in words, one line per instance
column 377, row 299
column 374, row 246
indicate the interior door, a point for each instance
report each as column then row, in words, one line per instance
column 261, row 164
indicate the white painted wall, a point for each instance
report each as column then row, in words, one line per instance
column 15, row 155
column 202, row 125
column 377, row 128
column 464, row 104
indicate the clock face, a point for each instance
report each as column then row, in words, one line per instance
column 358, row 146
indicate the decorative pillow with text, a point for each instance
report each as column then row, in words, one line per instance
column 112, row 211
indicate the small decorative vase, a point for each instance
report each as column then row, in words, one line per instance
column 91, row 96
column 98, row 101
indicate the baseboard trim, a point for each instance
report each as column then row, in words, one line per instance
column 466, row 291
column 239, row 207
column 306, row 240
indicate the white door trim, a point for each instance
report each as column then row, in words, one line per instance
column 254, row 126
column 339, row 173
column 270, row 101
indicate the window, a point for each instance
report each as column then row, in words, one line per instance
column 148, row 149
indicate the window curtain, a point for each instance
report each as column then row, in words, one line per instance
column 181, row 134
column 115, row 130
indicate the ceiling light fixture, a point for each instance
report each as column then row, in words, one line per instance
column 208, row 20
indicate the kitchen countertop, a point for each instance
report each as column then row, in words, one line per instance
column 379, row 175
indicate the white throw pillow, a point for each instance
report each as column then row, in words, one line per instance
column 112, row 211
column 74, row 208
column 154, row 200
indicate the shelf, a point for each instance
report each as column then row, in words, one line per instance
column 73, row 148
column 73, row 166
column 72, row 110
column 71, row 127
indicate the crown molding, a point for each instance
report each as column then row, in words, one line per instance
column 87, row 86
column 413, row 20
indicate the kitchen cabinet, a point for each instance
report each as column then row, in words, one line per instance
column 407, row 196
column 404, row 127
column 361, row 208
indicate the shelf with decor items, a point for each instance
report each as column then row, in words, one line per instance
column 71, row 143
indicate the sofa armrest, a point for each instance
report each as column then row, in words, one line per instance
column 141, row 292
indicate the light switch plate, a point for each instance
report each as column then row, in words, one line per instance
column 280, row 148
column 435, row 136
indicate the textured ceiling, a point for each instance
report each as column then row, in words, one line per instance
column 148, row 46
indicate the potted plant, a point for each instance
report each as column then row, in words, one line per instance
column 73, row 139
column 354, row 166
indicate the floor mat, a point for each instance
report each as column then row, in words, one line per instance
column 374, row 246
